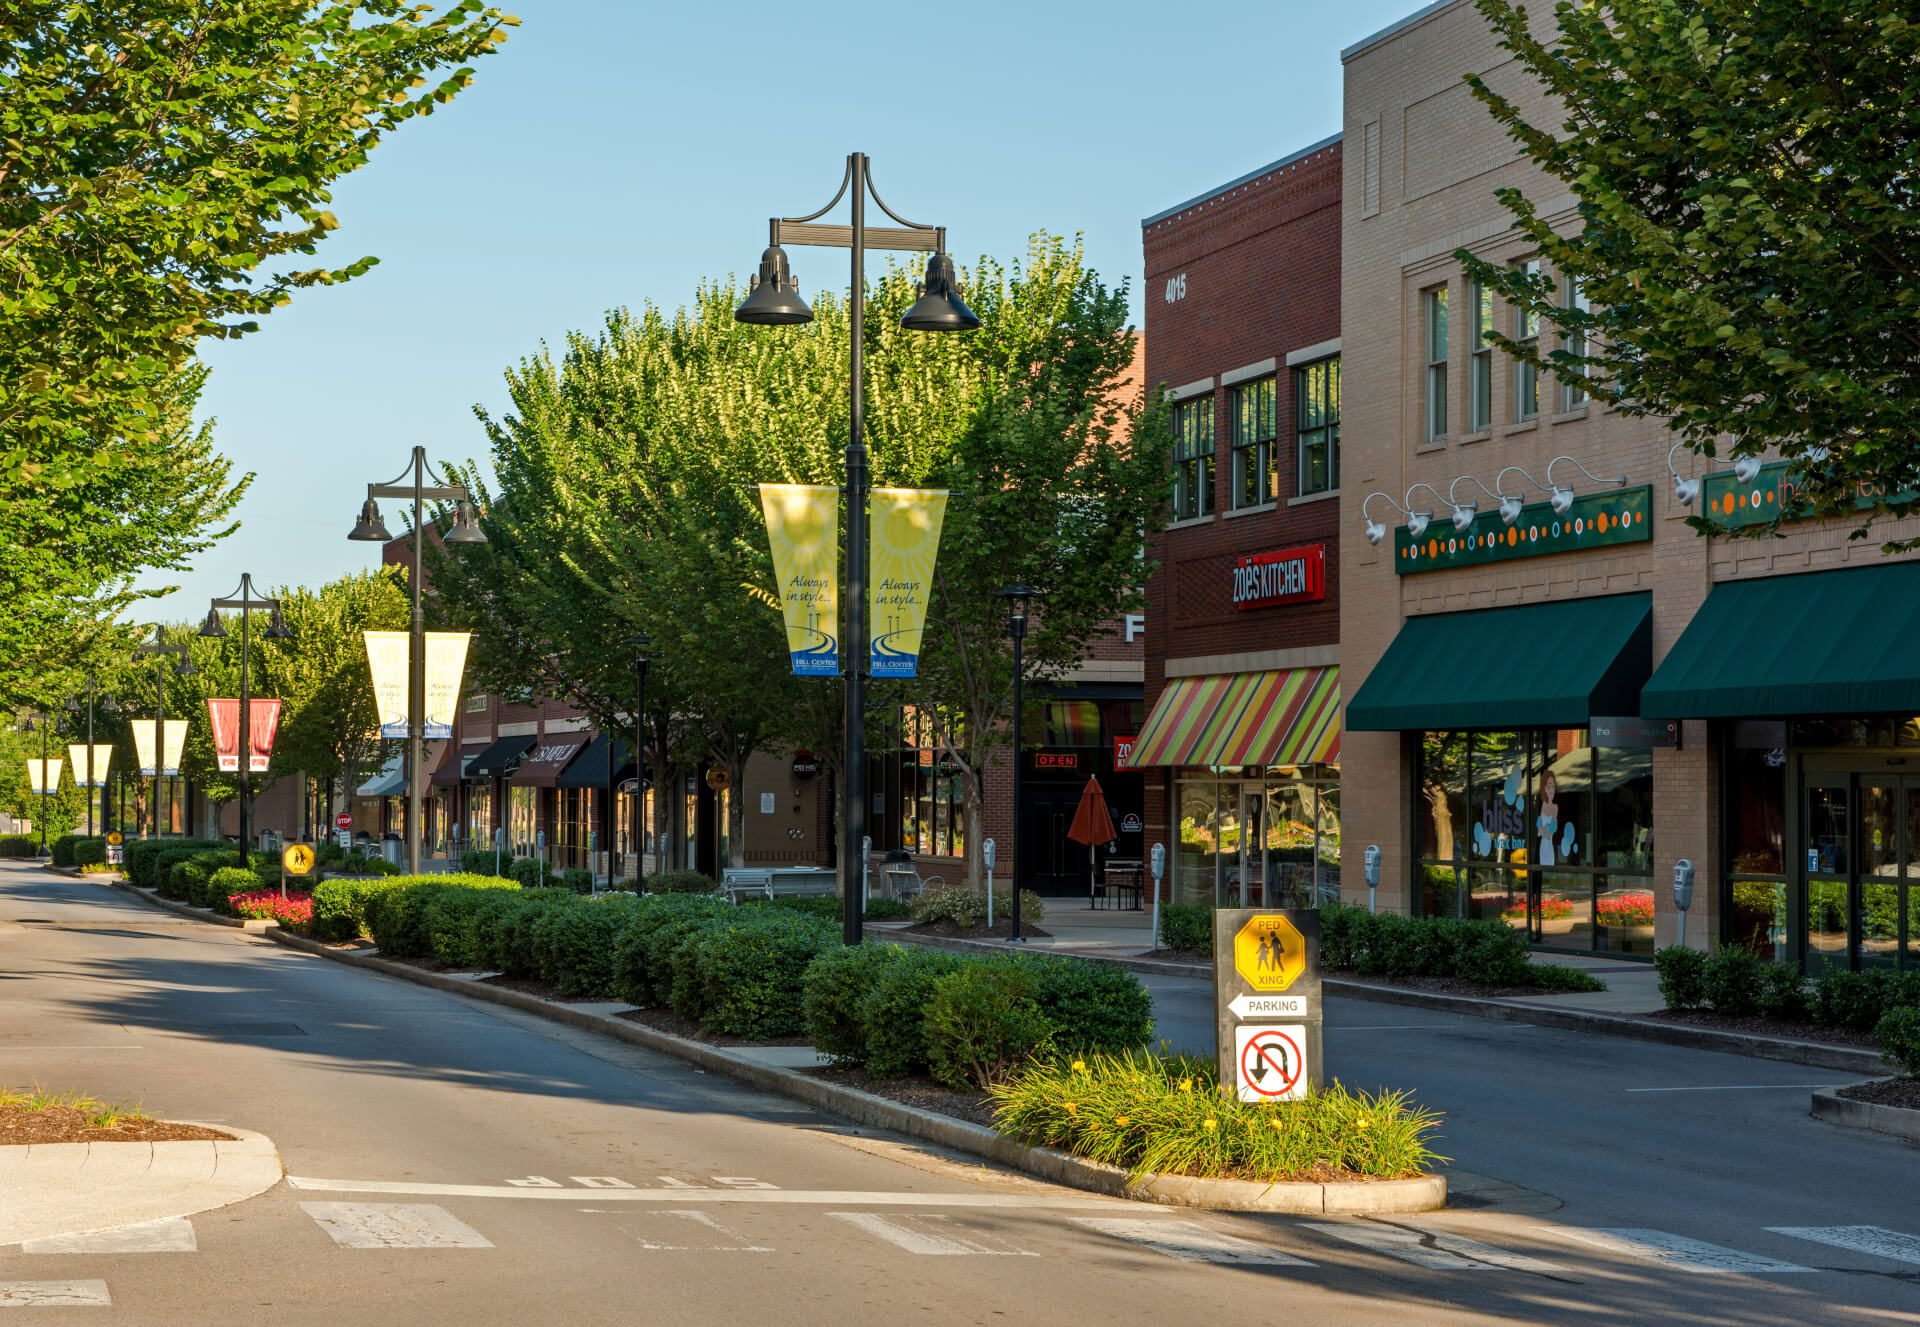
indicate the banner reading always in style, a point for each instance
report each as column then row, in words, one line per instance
column 803, row 528
column 388, row 653
column 174, row 740
column 263, row 721
column 905, row 525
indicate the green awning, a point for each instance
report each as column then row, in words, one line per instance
column 1828, row 642
column 1535, row 666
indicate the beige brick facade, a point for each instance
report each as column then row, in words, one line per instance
column 1423, row 162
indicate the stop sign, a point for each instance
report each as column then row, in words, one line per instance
column 343, row 821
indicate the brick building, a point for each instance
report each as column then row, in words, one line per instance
column 1550, row 708
column 1241, row 749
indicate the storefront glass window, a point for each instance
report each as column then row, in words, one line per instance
column 480, row 814
column 1498, row 801
column 1624, row 809
column 1442, row 811
column 1757, row 918
column 1623, row 914
column 1498, row 895
column 1563, row 799
column 1440, row 891
column 522, row 809
column 1198, row 855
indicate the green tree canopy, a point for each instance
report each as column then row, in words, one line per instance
column 1749, row 227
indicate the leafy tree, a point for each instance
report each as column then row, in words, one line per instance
column 154, row 157
column 66, row 808
column 1749, row 228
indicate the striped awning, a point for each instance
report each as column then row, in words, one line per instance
column 1227, row 720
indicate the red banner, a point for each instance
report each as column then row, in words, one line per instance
column 263, row 721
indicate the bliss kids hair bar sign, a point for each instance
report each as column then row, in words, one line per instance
column 1280, row 576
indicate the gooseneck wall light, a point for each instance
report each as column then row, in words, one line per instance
column 1561, row 495
column 1465, row 512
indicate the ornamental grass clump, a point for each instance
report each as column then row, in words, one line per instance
column 1164, row 1114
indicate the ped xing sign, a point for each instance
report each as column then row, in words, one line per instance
column 1267, row 1012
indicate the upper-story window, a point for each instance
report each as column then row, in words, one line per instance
column 1193, row 458
column 1573, row 378
column 1480, row 359
column 1316, row 390
column 1251, row 426
column 1434, row 316
column 1526, row 333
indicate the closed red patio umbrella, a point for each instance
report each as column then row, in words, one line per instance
column 1092, row 825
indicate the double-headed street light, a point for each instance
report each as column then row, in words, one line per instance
column 773, row 300
column 92, row 772
column 39, row 773
column 638, row 643
column 245, row 601
column 1019, row 598
column 158, row 648
column 425, row 486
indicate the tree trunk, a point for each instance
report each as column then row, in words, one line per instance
column 975, row 812
column 737, row 811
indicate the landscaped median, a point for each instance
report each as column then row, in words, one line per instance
column 1047, row 1051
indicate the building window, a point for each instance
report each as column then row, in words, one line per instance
column 1573, row 340
column 1193, row 458
column 1267, row 843
column 1435, row 302
column 933, row 821
column 1526, row 334
column 1251, row 426
column 1316, row 389
column 523, row 809
column 1480, row 360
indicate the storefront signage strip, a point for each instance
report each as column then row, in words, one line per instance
column 1594, row 520
column 1280, row 576
column 1732, row 504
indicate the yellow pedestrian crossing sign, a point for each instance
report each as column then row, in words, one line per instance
column 1269, row 952
column 297, row 859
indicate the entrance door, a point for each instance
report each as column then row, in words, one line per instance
column 1248, row 887
column 1828, row 846
column 1862, row 842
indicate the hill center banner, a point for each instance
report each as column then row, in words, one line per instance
column 905, row 525
column 263, row 722
column 388, row 654
column 803, row 530
column 173, row 740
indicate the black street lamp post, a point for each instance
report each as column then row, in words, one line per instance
column 1018, row 597
column 245, row 601
column 44, row 722
column 158, row 648
column 93, row 776
column 464, row 530
column 773, row 300
column 639, row 643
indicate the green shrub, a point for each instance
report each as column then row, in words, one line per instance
column 1857, row 1000
column 400, row 916
column 1093, row 1006
column 686, row 994
column 1732, row 980
column 143, row 858
column 745, row 969
column 19, row 845
column 1784, row 994
column 660, row 943
column 1494, row 954
column 1165, row 1114
column 509, row 934
column 1336, row 937
column 895, row 1012
column 833, row 997
column 531, row 873
column 1560, row 977
column 483, row 861
column 90, row 851
column 228, row 881
column 340, row 906
column 455, row 918
column 1187, row 928
column 1899, row 1034
column 886, row 909
column 983, row 1021
column 578, row 945
column 575, row 879
column 966, row 907
column 1682, row 974
column 826, row 907
column 680, row 882
column 633, row 974
column 61, row 849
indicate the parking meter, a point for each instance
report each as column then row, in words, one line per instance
column 1683, row 894
column 1157, row 863
column 1370, row 863
column 499, row 845
column 986, row 858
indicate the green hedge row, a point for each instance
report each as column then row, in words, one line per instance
column 19, row 845
column 1740, row 984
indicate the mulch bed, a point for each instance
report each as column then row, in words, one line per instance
column 1000, row 930
column 973, row 1106
column 665, row 1020
column 524, row 985
column 1904, row 1092
column 1769, row 1027
column 64, row 1124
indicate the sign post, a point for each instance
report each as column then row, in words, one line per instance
column 1266, row 984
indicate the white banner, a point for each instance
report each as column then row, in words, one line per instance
column 388, row 656
column 90, row 773
column 174, row 739
column 43, row 776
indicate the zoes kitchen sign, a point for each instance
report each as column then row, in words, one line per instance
column 1280, row 576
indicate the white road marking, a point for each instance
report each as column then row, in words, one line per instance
column 743, row 1182
column 1877, row 1240
column 54, row 1294
column 1738, row 1087
column 599, row 1182
column 1189, row 1241
column 1677, row 1251
column 535, row 1182
column 1432, row 1248
column 394, row 1226
column 691, row 1194
column 171, row 1235
column 740, row 1244
column 927, row 1235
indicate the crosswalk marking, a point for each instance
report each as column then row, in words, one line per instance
column 930, row 1235
column 54, row 1294
column 1677, row 1251
column 171, row 1235
column 1432, row 1249
column 1189, row 1241
column 1877, row 1240
column 394, row 1226
column 740, row 1243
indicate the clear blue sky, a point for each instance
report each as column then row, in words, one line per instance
column 615, row 151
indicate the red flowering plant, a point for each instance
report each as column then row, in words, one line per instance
column 1630, row 909
column 295, row 910
column 1552, row 908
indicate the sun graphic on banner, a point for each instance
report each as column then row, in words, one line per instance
column 905, row 529
column 804, row 522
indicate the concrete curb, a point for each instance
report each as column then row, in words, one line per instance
column 1819, row 1055
column 184, row 910
column 1894, row 1121
column 1419, row 1195
column 60, row 1189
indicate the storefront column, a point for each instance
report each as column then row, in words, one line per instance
column 1376, row 791
column 1686, row 793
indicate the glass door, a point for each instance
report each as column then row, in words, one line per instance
column 1882, row 855
column 1829, row 895
column 1251, row 866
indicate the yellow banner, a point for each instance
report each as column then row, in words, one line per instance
column 90, row 772
column 388, row 656
column 803, row 528
column 905, row 525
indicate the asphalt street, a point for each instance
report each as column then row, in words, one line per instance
column 458, row 1163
